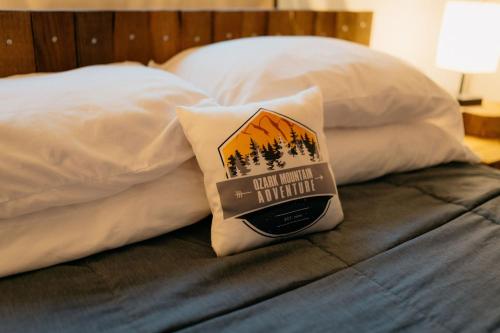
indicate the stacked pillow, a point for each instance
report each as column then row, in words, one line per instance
column 92, row 159
column 87, row 134
column 65, row 233
column 381, row 115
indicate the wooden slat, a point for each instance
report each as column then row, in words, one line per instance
column 54, row 40
column 16, row 44
column 303, row 23
column 131, row 39
column 227, row 25
column 325, row 24
column 165, row 35
column 279, row 24
column 196, row 29
column 291, row 23
column 254, row 24
column 355, row 27
column 94, row 38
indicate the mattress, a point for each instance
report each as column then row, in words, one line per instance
column 418, row 251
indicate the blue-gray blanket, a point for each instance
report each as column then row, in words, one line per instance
column 417, row 252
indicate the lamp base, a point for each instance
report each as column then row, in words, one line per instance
column 466, row 100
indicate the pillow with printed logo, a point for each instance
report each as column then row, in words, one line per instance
column 266, row 170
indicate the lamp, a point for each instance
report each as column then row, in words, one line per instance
column 469, row 41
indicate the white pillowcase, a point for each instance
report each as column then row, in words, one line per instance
column 359, row 154
column 61, row 234
column 266, row 170
column 88, row 133
column 361, row 87
column 384, row 115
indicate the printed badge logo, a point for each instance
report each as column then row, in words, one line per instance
column 267, row 142
column 277, row 182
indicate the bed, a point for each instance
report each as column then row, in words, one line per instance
column 418, row 251
column 429, row 265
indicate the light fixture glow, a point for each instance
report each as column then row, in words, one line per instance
column 470, row 37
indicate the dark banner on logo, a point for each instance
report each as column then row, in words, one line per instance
column 244, row 195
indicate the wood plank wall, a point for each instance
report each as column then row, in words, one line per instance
column 57, row 41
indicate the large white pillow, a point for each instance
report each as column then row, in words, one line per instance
column 266, row 170
column 361, row 87
column 61, row 234
column 359, row 154
column 88, row 133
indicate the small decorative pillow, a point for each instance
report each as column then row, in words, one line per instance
column 266, row 170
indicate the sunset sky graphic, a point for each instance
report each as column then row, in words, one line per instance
column 263, row 128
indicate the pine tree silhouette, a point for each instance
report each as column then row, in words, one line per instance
column 292, row 145
column 241, row 163
column 306, row 140
column 294, row 136
column 254, row 152
column 278, row 153
column 239, row 157
column 311, row 148
column 277, row 149
column 263, row 151
column 300, row 145
column 269, row 155
column 231, row 165
column 274, row 154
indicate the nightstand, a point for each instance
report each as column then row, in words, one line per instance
column 482, row 131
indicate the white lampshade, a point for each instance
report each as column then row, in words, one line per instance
column 470, row 37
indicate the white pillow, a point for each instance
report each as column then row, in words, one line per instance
column 61, row 234
column 361, row 87
column 359, row 154
column 88, row 133
column 266, row 170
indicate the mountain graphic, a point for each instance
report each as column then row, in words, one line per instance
column 268, row 141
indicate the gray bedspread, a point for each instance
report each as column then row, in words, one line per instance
column 417, row 252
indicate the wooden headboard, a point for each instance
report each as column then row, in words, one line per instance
column 57, row 41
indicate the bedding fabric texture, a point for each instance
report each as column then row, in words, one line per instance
column 146, row 210
column 417, row 252
column 362, row 89
column 88, row 133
